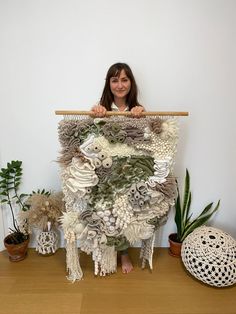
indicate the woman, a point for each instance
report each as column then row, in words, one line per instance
column 120, row 94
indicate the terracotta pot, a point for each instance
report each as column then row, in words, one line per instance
column 175, row 247
column 16, row 252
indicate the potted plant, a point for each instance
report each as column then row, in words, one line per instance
column 45, row 208
column 17, row 241
column 183, row 218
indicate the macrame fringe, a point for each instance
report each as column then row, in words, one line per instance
column 47, row 242
column 146, row 252
column 72, row 262
column 105, row 261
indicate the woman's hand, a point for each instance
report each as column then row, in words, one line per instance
column 99, row 111
column 136, row 111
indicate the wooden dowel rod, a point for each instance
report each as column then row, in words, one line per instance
column 122, row 113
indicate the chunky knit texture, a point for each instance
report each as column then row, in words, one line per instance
column 209, row 254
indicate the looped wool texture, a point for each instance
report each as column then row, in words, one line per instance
column 118, row 182
column 209, row 254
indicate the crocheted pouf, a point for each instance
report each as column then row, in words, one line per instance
column 209, row 254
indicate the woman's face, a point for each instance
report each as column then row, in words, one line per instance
column 120, row 85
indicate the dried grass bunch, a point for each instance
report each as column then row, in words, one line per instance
column 44, row 210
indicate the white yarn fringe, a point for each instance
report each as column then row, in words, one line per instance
column 146, row 252
column 72, row 262
column 105, row 261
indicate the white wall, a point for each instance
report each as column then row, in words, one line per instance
column 1, row 232
column 55, row 54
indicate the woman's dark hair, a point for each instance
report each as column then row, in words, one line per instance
column 108, row 98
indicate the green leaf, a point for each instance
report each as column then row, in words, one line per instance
column 206, row 209
column 188, row 205
column 195, row 224
column 3, row 186
column 200, row 220
column 186, row 191
column 189, row 219
column 4, row 193
column 9, row 177
column 4, row 201
column 178, row 215
column 25, row 208
column 9, row 188
column 182, row 212
column 10, row 181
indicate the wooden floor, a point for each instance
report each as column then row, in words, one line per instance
column 39, row 285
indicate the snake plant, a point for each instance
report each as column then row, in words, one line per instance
column 185, row 225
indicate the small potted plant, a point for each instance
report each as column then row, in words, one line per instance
column 45, row 208
column 17, row 241
column 183, row 218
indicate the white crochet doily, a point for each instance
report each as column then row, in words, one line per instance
column 209, row 254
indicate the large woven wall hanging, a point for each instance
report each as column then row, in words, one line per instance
column 118, row 182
